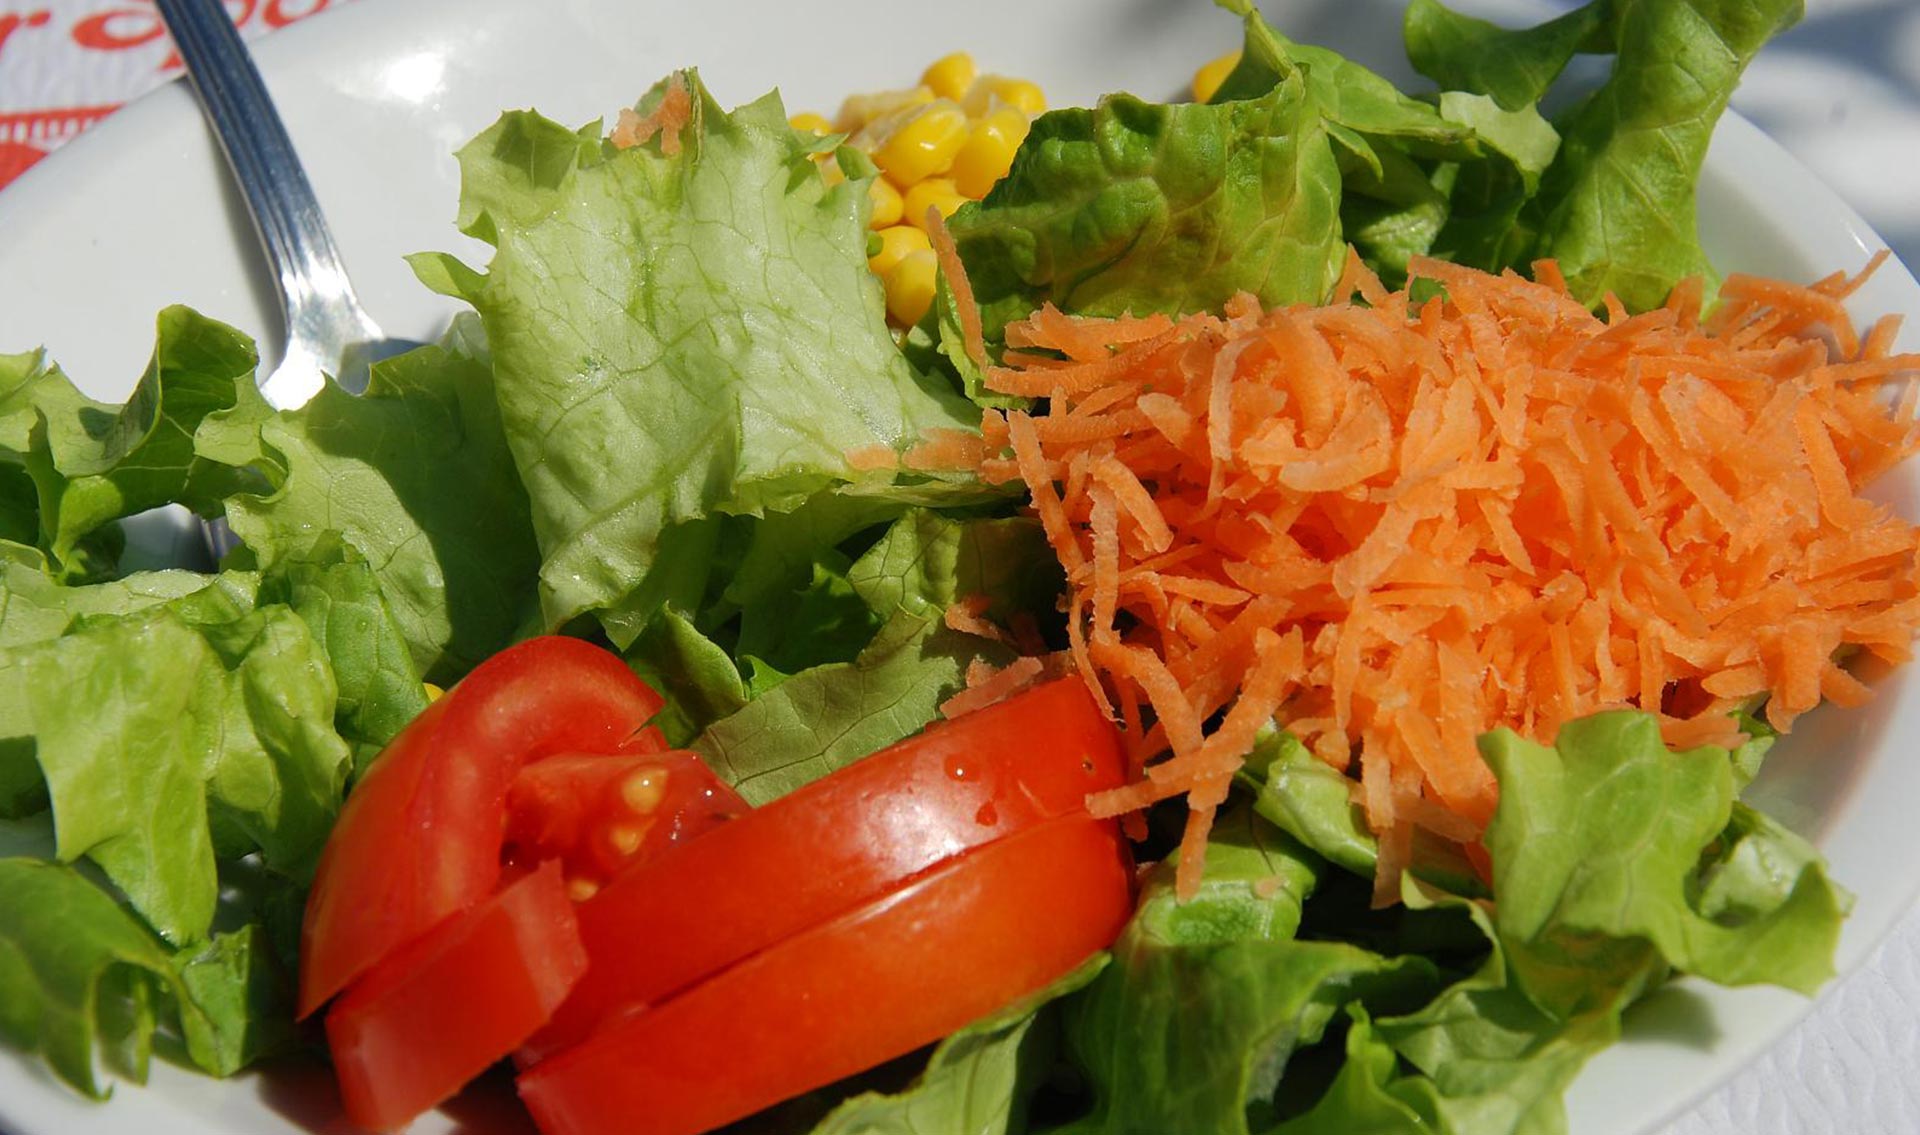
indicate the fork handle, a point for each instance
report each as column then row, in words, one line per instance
column 315, row 292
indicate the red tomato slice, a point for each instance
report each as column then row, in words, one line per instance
column 597, row 814
column 992, row 926
column 436, row 1014
column 834, row 845
column 419, row 839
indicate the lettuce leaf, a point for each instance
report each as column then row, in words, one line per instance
column 1617, row 210
column 1310, row 801
column 979, row 1080
column 828, row 716
column 926, row 562
column 1487, row 1059
column 1489, row 1055
column 783, row 547
column 165, row 729
column 1461, row 1016
column 1366, row 112
column 676, row 336
column 1193, row 1025
column 333, row 589
column 83, row 982
column 235, row 1000
column 1617, row 206
column 1595, row 846
column 85, row 464
column 1515, row 68
column 1367, row 1093
column 414, row 475
column 170, row 736
column 1477, row 176
column 696, row 675
column 77, row 974
column 1615, row 863
column 173, row 720
column 1134, row 206
column 825, row 620
column 1447, row 176
column 34, row 608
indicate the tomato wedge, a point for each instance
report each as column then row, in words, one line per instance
column 832, row 846
column 425, row 1021
column 419, row 839
column 983, row 930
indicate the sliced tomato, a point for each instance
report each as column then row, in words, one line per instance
column 598, row 814
column 420, row 837
column 426, row 1020
column 985, row 929
column 834, row 845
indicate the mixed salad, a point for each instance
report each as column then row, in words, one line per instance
column 738, row 710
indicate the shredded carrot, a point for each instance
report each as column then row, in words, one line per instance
column 986, row 685
column 969, row 616
column 667, row 118
column 946, row 448
column 1393, row 526
column 870, row 457
column 964, row 307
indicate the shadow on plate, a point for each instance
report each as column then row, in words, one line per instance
column 301, row 1090
column 1675, row 1015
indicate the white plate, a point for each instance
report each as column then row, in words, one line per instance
column 137, row 215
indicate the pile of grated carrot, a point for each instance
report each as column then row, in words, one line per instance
column 1392, row 526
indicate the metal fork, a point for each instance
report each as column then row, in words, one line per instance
column 328, row 332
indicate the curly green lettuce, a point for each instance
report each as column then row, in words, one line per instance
column 681, row 330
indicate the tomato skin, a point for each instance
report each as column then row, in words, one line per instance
column 834, row 845
column 419, row 838
column 983, row 930
column 421, row 1024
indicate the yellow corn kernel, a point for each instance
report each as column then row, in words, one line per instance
column 858, row 110
column 829, row 169
column 950, row 75
column 896, row 244
column 988, row 153
column 887, row 205
column 923, row 145
column 810, row 122
column 909, row 286
column 990, row 89
column 434, row 693
column 934, row 192
column 1207, row 80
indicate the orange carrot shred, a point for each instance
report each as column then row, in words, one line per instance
column 871, row 457
column 964, row 308
column 667, row 118
column 1393, row 527
column 994, row 687
column 945, row 448
column 968, row 616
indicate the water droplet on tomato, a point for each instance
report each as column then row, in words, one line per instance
column 958, row 770
column 987, row 816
